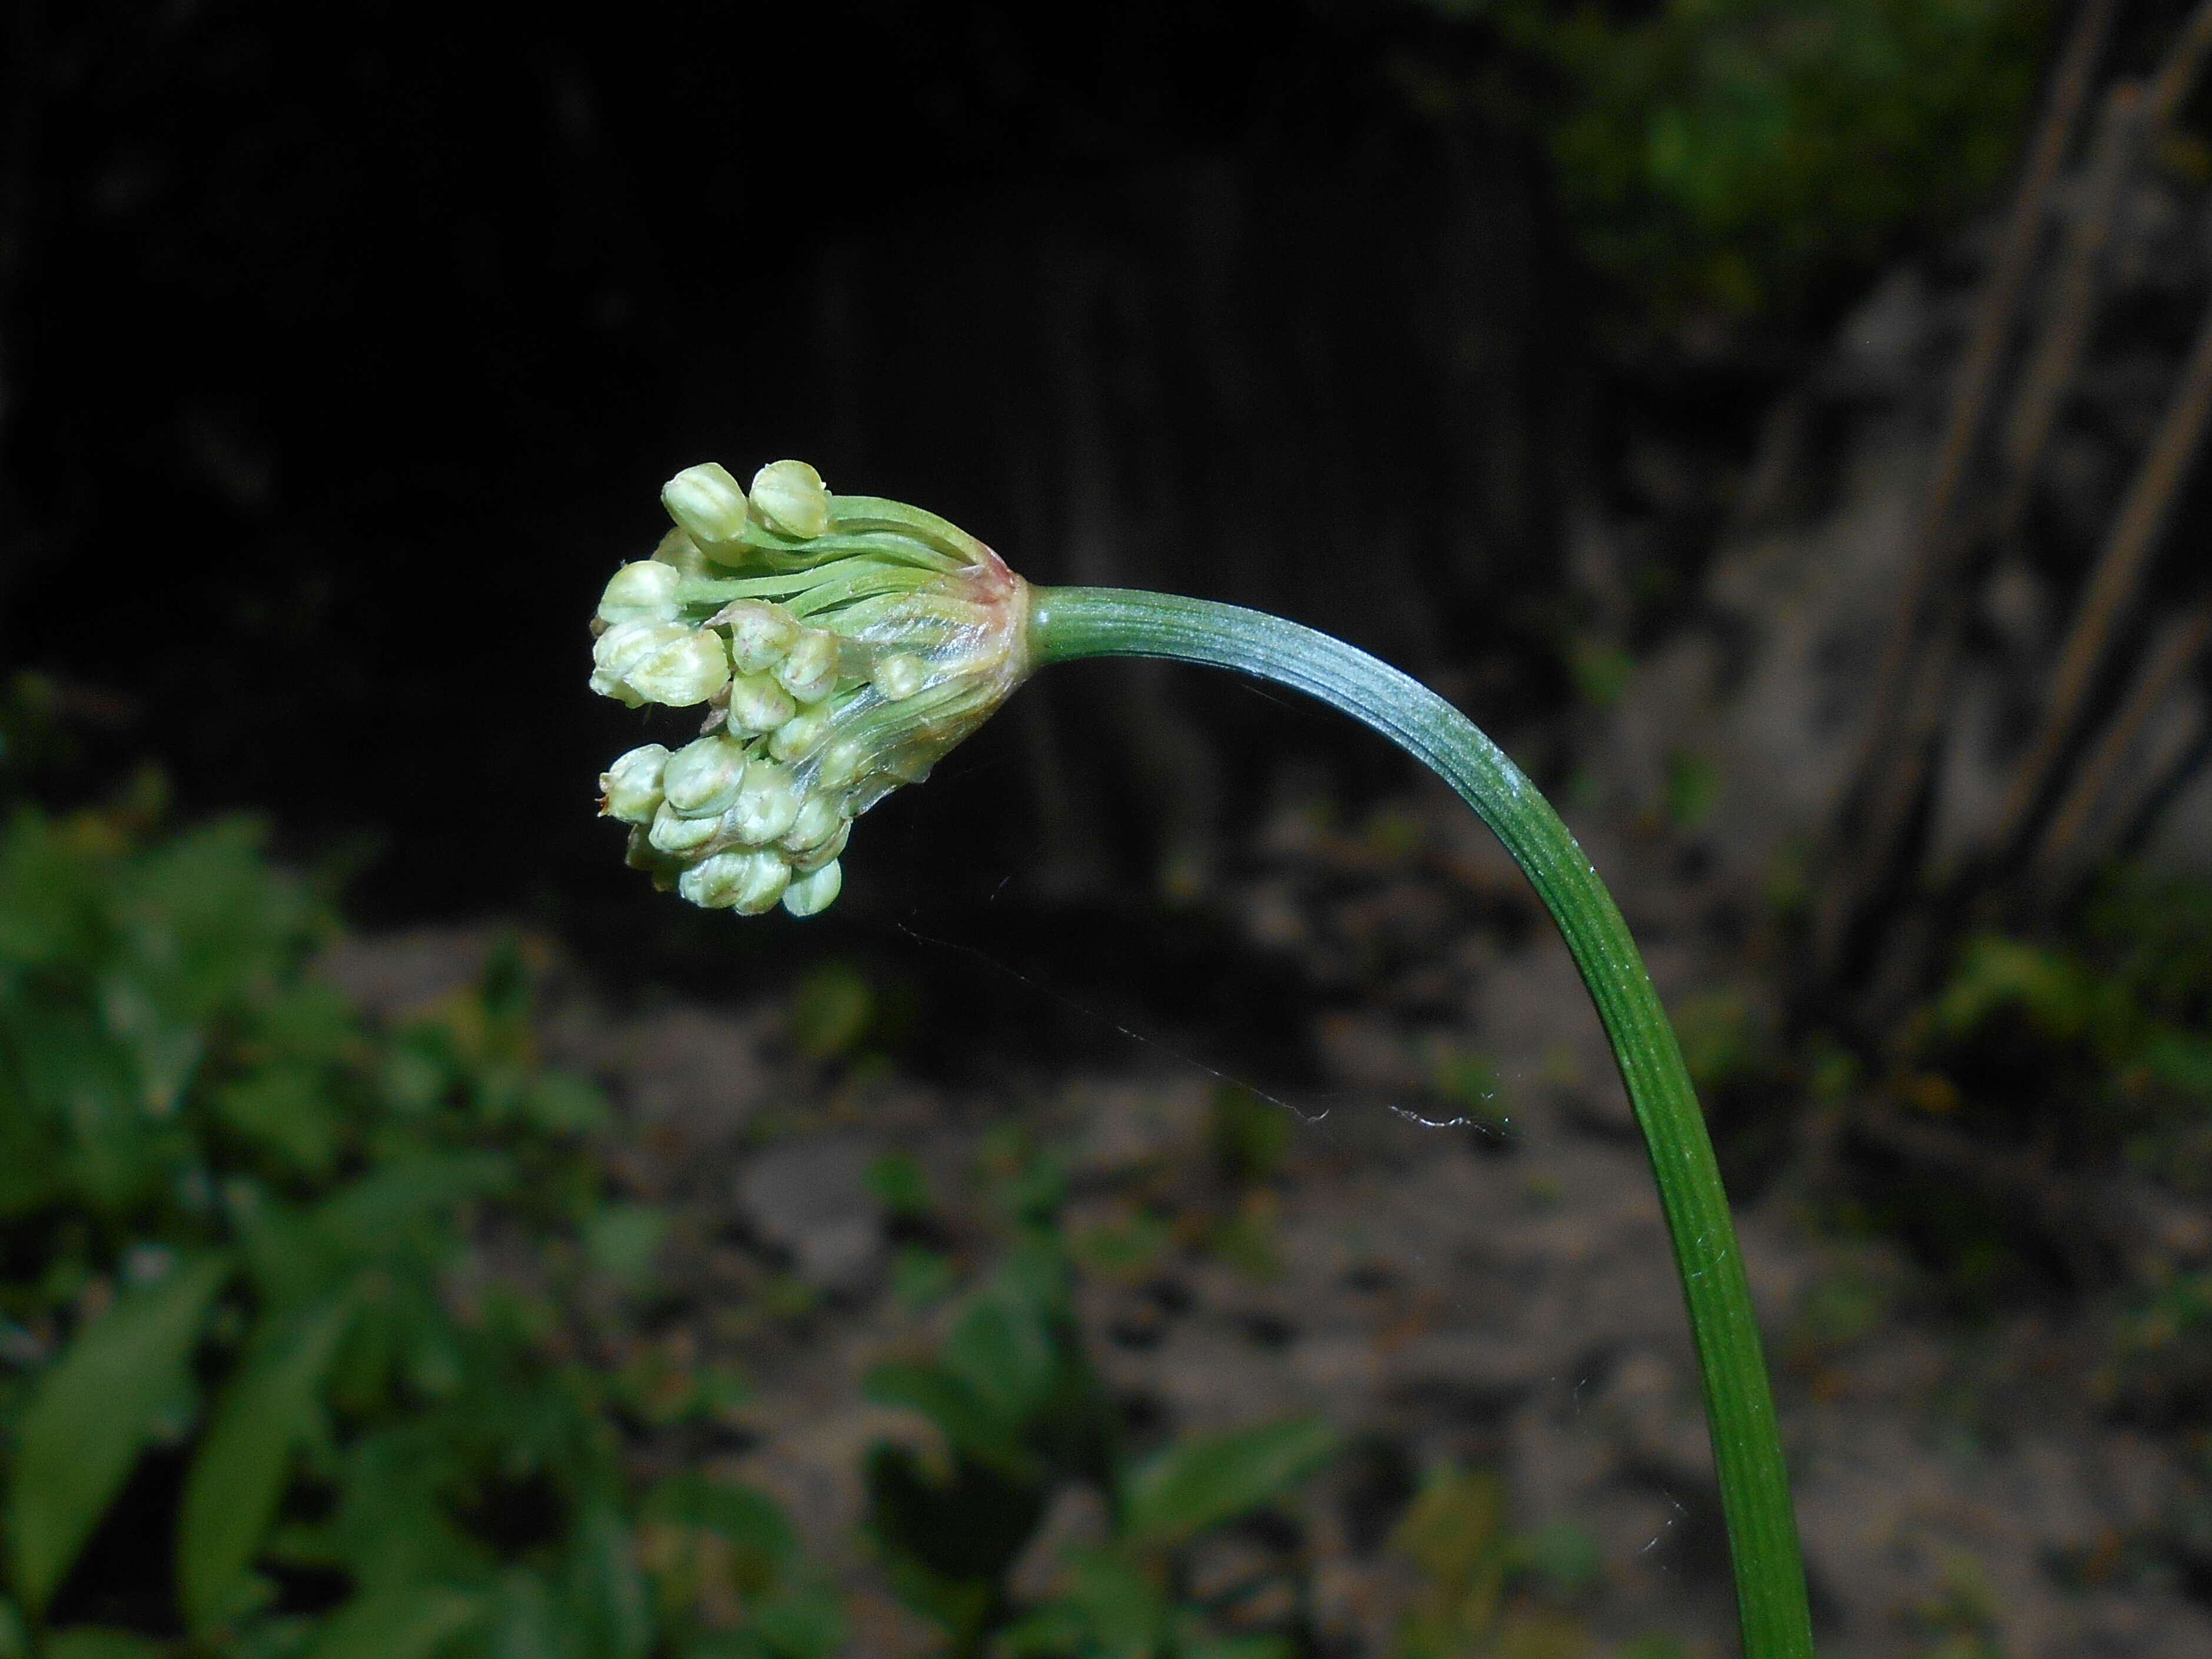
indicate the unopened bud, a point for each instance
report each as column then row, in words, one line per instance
column 748, row 882
column 644, row 592
column 659, row 662
column 616, row 652
column 758, row 704
column 802, row 734
column 788, row 496
column 761, row 631
column 674, row 834
column 767, row 806
column 810, row 894
column 820, row 817
column 813, row 857
column 841, row 763
column 809, row 669
column 630, row 789
column 702, row 777
column 678, row 549
column 707, row 501
column 897, row 675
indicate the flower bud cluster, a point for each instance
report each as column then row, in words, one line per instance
column 841, row 645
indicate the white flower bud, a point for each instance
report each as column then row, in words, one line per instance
column 897, row 675
column 748, row 882
column 761, row 631
column 767, row 806
column 630, row 789
column 674, row 834
column 800, row 733
column 621, row 647
column 644, row 592
column 810, row 894
column 702, row 777
column 758, row 704
column 707, row 501
column 627, row 642
column 820, row 817
column 809, row 669
column 682, row 671
column 788, row 496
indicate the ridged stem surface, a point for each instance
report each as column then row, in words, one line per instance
column 1069, row 623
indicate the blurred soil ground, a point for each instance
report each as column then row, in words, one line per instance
column 1458, row 1257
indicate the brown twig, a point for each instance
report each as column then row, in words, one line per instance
column 2112, row 586
column 2185, row 61
column 2136, row 113
column 1937, row 546
column 2049, row 375
column 1934, row 547
column 2177, row 649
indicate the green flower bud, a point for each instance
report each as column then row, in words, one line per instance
column 758, row 704
column 897, row 675
column 842, row 763
column 820, row 817
column 799, row 734
column 767, row 806
column 813, row 857
column 630, row 789
column 675, row 835
column 760, row 633
column 809, row 669
column 703, row 778
column 788, row 496
column 644, row 592
column 892, row 635
column 748, row 882
column 810, row 894
column 706, row 500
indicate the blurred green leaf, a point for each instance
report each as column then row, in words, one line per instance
column 831, row 1010
column 91, row 1414
column 808, row 1624
column 969, row 1421
column 623, row 1239
column 608, row 1591
column 410, row 1622
column 1200, row 1483
column 237, row 1476
column 897, row 1181
column 94, row 1642
column 742, row 1516
column 1240, row 1647
column 1002, row 1346
column 1250, row 1137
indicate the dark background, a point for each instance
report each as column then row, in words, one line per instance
column 347, row 346
column 344, row 350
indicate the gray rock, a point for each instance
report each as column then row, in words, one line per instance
column 811, row 1197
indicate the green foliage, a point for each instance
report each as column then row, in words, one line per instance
column 242, row 1225
column 1024, row 1416
column 89, row 1415
column 2100, row 1041
column 1741, row 155
column 1484, row 1586
column 1250, row 1137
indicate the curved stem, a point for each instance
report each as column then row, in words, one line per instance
column 1068, row 622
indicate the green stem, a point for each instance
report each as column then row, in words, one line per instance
column 1067, row 623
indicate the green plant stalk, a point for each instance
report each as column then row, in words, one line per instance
column 1070, row 623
